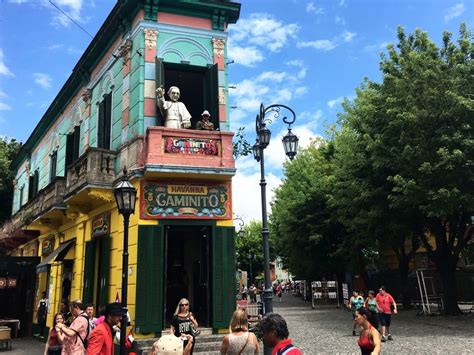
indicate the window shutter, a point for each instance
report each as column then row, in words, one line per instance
column 159, row 81
column 223, row 276
column 89, row 263
column 69, row 149
column 52, row 168
column 100, row 125
column 31, row 187
column 211, row 94
column 36, row 183
column 77, row 138
column 104, row 271
column 150, row 271
column 108, row 120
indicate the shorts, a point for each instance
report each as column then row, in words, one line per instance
column 385, row 319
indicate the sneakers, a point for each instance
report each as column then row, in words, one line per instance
column 389, row 337
column 354, row 333
column 384, row 338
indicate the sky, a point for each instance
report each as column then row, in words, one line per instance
column 309, row 55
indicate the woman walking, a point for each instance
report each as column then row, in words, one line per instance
column 240, row 340
column 371, row 305
column 369, row 339
column 54, row 345
column 183, row 323
column 355, row 302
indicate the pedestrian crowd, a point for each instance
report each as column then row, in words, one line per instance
column 76, row 330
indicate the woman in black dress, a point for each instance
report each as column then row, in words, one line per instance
column 182, row 322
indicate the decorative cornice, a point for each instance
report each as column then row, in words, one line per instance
column 150, row 38
column 218, row 45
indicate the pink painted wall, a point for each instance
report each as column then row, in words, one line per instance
column 181, row 20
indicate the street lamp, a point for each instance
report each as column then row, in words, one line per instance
column 241, row 232
column 125, row 197
column 290, row 144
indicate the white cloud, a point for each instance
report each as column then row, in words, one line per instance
column 272, row 76
column 54, row 47
column 5, row 107
column 348, row 36
column 259, row 32
column 71, row 7
column 322, row 44
column 246, row 198
column 342, row 2
column 3, row 94
column 312, row 8
column 4, row 70
column 454, row 11
column 247, row 56
column 336, row 101
column 43, row 80
column 18, row 1
column 340, row 21
column 300, row 91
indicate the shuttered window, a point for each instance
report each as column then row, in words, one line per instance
column 150, row 271
column 223, row 276
column 105, row 121
column 89, row 262
column 52, row 165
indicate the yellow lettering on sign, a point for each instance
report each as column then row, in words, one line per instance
column 187, row 190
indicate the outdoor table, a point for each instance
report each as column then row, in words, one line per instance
column 12, row 323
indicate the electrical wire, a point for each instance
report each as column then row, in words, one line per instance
column 70, row 18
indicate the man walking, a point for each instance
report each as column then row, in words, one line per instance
column 101, row 340
column 385, row 304
column 275, row 335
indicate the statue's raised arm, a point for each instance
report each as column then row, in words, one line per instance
column 175, row 113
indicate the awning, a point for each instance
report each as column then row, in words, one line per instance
column 56, row 255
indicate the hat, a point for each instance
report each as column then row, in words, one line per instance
column 113, row 308
column 168, row 345
column 205, row 113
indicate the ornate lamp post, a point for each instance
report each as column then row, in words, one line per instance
column 241, row 231
column 290, row 144
column 125, row 197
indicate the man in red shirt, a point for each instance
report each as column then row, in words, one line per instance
column 101, row 340
column 385, row 302
column 275, row 335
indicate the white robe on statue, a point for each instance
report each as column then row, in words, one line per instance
column 175, row 113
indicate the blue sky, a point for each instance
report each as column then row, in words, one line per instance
column 306, row 54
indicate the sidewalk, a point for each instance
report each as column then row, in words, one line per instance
column 26, row 346
column 327, row 330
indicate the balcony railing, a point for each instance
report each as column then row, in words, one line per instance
column 94, row 168
column 186, row 150
column 47, row 198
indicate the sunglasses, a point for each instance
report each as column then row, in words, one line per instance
column 184, row 304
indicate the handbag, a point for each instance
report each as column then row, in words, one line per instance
column 194, row 331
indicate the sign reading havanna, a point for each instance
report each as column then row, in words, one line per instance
column 185, row 200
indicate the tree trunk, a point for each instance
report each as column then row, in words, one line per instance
column 406, row 299
column 450, row 292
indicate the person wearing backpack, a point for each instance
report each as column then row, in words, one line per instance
column 275, row 335
column 74, row 337
column 101, row 340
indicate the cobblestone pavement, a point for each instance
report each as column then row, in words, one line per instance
column 328, row 330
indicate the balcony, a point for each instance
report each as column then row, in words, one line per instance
column 41, row 208
column 94, row 169
column 202, row 154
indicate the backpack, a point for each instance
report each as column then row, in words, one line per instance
column 286, row 349
column 85, row 341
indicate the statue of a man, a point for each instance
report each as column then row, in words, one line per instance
column 175, row 113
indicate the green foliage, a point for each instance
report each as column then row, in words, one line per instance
column 8, row 150
column 240, row 145
column 249, row 248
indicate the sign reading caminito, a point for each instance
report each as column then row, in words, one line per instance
column 185, row 200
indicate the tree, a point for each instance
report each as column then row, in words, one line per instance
column 419, row 137
column 8, row 150
column 306, row 237
column 249, row 248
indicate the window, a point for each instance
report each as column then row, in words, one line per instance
column 52, row 165
column 72, row 145
column 33, row 185
column 22, row 189
column 198, row 86
column 105, row 121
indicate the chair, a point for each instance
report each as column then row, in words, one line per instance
column 5, row 338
